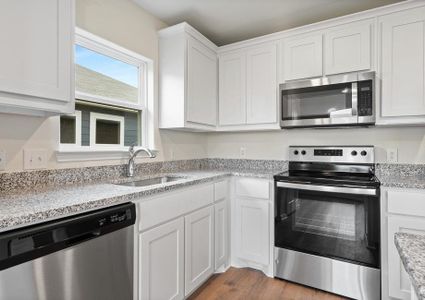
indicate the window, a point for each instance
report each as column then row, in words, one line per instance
column 111, row 86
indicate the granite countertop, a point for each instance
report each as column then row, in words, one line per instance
column 415, row 181
column 18, row 209
column 411, row 248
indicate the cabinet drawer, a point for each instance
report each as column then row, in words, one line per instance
column 253, row 187
column 171, row 205
column 406, row 202
column 221, row 190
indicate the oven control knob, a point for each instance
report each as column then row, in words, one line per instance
column 303, row 152
column 354, row 153
column 296, row 152
column 363, row 153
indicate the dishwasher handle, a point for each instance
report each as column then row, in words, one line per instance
column 25, row 244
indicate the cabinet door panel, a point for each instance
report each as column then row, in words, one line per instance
column 36, row 47
column 232, row 89
column 199, row 247
column 220, row 233
column 252, row 222
column 398, row 279
column 302, row 57
column 162, row 262
column 262, row 84
column 348, row 49
column 402, row 63
column 202, row 84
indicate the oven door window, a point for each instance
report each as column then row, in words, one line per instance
column 335, row 225
column 331, row 101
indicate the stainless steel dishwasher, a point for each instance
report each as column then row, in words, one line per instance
column 84, row 257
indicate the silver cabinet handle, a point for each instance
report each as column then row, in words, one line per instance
column 328, row 189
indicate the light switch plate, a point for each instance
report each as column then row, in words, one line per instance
column 392, row 155
column 2, row 160
column 35, row 159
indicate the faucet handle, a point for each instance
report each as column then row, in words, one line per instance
column 131, row 149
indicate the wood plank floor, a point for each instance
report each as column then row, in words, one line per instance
column 250, row 284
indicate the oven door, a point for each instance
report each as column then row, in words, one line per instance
column 335, row 222
column 324, row 105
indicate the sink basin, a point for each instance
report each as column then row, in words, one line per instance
column 152, row 181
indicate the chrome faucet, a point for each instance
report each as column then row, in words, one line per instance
column 133, row 154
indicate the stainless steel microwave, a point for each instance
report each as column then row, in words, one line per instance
column 340, row 100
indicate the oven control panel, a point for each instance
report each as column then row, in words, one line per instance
column 341, row 154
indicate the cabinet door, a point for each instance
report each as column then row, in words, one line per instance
column 398, row 279
column 262, row 84
column 36, row 50
column 201, row 84
column 252, row 225
column 221, row 235
column 348, row 48
column 161, row 271
column 199, row 247
column 403, row 63
column 232, row 88
column 302, row 57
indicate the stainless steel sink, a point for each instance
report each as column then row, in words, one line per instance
column 152, row 181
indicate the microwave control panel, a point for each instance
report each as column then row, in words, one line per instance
column 365, row 95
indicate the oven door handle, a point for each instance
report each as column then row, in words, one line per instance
column 326, row 188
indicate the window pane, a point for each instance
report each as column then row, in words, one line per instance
column 67, row 130
column 101, row 75
column 107, row 132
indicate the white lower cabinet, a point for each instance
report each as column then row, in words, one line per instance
column 161, row 270
column 199, row 247
column 403, row 210
column 252, row 223
column 221, row 233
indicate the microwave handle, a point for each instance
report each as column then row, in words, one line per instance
column 354, row 98
column 327, row 189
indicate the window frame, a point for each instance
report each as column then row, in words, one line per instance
column 99, row 116
column 78, row 125
column 71, row 152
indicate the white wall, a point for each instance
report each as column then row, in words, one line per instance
column 124, row 23
column 409, row 141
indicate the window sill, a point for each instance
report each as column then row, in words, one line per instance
column 77, row 154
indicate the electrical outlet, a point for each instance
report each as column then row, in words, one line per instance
column 2, row 160
column 242, row 152
column 392, row 155
column 35, row 159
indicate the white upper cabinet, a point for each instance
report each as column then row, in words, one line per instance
column 36, row 73
column 302, row 56
column 402, row 66
column 347, row 48
column 232, row 88
column 262, row 84
column 201, row 83
column 187, row 79
column 248, row 88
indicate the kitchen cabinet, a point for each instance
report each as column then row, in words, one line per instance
column 187, row 79
column 232, row 88
column 302, row 56
column 221, row 233
column 348, row 48
column 402, row 67
column 161, row 271
column 37, row 73
column 199, row 247
column 248, row 97
column 402, row 210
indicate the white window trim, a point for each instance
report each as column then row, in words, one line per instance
column 78, row 124
column 70, row 153
column 93, row 120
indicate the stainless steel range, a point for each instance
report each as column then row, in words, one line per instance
column 327, row 220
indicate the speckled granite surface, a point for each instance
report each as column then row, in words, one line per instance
column 411, row 248
column 401, row 175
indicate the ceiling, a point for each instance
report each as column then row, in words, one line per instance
column 228, row 21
